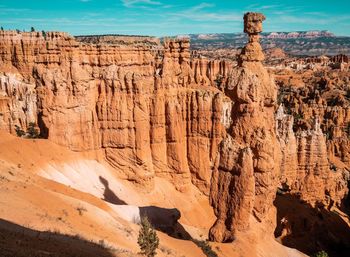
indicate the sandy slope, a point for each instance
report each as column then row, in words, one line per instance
column 48, row 188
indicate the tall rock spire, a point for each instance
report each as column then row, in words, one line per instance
column 244, row 176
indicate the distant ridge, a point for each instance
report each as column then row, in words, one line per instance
column 308, row 43
column 299, row 34
column 279, row 35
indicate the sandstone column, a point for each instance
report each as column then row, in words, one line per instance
column 243, row 180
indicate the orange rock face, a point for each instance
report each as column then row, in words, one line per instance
column 153, row 110
column 261, row 152
column 245, row 176
column 134, row 99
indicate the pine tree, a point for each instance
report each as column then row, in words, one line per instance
column 19, row 131
column 32, row 29
column 32, row 131
column 147, row 239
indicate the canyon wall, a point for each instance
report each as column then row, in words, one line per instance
column 153, row 110
column 148, row 107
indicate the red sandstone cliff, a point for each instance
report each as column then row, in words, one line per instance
column 152, row 110
column 138, row 101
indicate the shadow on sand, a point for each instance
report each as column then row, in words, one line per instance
column 18, row 241
column 309, row 229
column 165, row 220
column 162, row 219
column 109, row 195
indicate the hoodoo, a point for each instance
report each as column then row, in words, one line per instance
column 244, row 177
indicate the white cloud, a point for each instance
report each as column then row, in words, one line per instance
column 202, row 6
column 198, row 13
column 131, row 3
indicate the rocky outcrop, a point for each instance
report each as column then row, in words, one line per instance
column 305, row 168
column 244, row 177
column 314, row 136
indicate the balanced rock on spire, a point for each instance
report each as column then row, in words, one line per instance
column 252, row 52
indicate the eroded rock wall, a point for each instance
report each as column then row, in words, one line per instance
column 136, row 100
column 153, row 110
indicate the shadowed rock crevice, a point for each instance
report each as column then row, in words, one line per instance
column 310, row 229
column 44, row 130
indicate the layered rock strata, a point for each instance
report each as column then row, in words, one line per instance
column 306, row 170
column 153, row 110
column 139, row 102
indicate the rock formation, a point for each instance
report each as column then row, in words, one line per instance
column 133, row 100
column 152, row 109
column 244, row 177
column 314, row 138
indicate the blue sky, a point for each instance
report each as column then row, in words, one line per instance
column 161, row 17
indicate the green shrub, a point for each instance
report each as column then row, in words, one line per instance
column 206, row 248
column 218, row 80
column 19, row 131
column 147, row 239
column 32, row 132
column 298, row 116
column 321, row 254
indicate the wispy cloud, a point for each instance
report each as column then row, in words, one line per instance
column 131, row 3
column 205, row 12
column 201, row 6
column 267, row 7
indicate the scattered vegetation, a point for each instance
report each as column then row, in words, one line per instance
column 321, row 254
column 147, row 239
column 32, row 131
column 166, row 250
column 218, row 80
column 19, row 131
column 206, row 248
column 298, row 116
column 81, row 210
